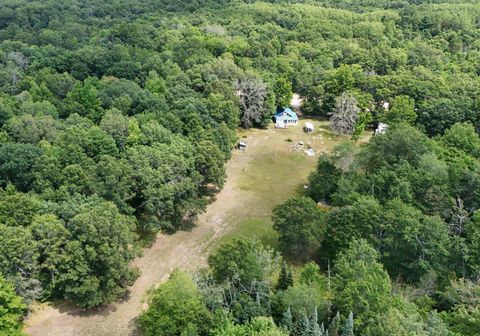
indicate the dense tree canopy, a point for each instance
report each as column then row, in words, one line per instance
column 401, row 211
column 117, row 117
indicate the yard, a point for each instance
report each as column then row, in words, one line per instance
column 272, row 169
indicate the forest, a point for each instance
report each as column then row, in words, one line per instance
column 117, row 119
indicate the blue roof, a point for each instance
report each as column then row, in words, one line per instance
column 290, row 114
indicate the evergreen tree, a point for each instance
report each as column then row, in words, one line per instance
column 289, row 277
column 314, row 328
column 334, row 325
column 286, row 278
column 302, row 326
column 287, row 320
column 348, row 328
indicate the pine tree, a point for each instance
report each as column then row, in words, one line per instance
column 314, row 328
column 322, row 330
column 334, row 325
column 286, row 278
column 290, row 277
column 348, row 328
column 314, row 318
column 302, row 326
column 287, row 320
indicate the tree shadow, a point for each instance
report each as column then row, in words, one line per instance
column 135, row 328
column 67, row 307
column 147, row 238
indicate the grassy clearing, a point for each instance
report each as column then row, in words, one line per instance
column 275, row 172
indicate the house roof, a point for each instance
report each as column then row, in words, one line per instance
column 288, row 111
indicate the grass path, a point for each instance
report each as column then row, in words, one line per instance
column 267, row 173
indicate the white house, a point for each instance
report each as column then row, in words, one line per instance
column 285, row 117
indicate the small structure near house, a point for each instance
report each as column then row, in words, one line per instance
column 308, row 127
column 381, row 128
column 285, row 117
column 242, row 145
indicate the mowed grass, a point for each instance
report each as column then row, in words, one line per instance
column 275, row 172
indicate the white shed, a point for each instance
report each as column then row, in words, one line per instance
column 308, row 127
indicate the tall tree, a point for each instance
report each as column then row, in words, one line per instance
column 175, row 306
column 301, row 326
column 19, row 261
column 96, row 266
column 16, row 163
column 348, row 327
column 361, row 283
column 285, row 279
column 242, row 259
column 402, row 110
column 299, row 223
column 314, row 327
column 346, row 114
column 252, row 93
column 334, row 327
column 283, row 92
column 287, row 320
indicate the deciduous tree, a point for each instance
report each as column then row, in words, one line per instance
column 346, row 114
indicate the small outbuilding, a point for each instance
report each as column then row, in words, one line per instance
column 285, row 117
column 308, row 127
column 242, row 145
column 381, row 128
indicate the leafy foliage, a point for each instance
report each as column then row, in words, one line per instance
column 399, row 214
column 174, row 306
column 299, row 224
column 11, row 310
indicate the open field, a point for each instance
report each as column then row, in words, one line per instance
column 266, row 174
column 275, row 173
